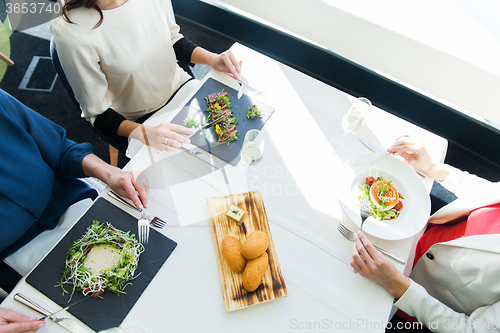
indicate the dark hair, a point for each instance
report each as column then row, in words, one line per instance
column 74, row 4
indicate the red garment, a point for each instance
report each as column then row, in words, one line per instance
column 481, row 221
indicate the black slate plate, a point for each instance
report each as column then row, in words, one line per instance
column 195, row 108
column 100, row 314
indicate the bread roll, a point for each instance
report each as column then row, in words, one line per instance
column 254, row 271
column 256, row 244
column 231, row 250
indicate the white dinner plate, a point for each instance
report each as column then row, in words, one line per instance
column 416, row 202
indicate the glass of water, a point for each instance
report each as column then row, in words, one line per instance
column 251, row 154
column 352, row 121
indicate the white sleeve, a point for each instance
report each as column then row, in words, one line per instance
column 80, row 63
column 416, row 302
column 175, row 34
column 461, row 182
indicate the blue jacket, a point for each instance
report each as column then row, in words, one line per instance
column 39, row 168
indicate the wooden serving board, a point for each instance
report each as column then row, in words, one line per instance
column 273, row 284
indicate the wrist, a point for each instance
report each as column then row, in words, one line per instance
column 129, row 129
column 398, row 286
column 212, row 59
column 102, row 173
column 438, row 171
column 135, row 131
column 203, row 57
column 93, row 166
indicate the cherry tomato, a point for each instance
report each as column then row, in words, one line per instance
column 399, row 205
column 370, row 180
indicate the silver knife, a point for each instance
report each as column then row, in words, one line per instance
column 204, row 127
column 370, row 146
column 50, row 316
column 243, row 82
column 66, row 323
column 375, row 149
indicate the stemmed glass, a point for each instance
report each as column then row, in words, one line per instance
column 352, row 122
column 251, row 154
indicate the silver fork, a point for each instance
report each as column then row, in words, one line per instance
column 143, row 227
column 347, row 233
column 153, row 220
column 365, row 211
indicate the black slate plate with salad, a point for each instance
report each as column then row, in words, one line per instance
column 110, row 308
column 197, row 113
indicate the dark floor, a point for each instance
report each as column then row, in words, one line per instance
column 57, row 106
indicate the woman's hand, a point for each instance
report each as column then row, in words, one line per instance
column 126, row 183
column 413, row 151
column 373, row 265
column 130, row 185
column 227, row 63
column 166, row 136
column 416, row 154
column 13, row 322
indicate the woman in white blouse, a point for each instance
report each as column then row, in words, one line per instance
column 120, row 58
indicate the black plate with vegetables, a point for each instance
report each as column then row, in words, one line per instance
column 225, row 139
column 109, row 309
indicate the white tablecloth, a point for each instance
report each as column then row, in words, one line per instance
column 300, row 173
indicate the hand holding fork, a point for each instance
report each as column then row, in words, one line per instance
column 349, row 235
column 153, row 220
column 364, row 210
column 144, row 222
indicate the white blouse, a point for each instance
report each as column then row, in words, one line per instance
column 127, row 63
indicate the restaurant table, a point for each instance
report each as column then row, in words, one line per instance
column 300, row 173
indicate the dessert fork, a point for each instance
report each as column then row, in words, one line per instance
column 349, row 235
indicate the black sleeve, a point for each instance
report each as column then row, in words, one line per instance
column 183, row 49
column 109, row 121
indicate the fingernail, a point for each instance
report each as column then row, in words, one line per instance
column 42, row 324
